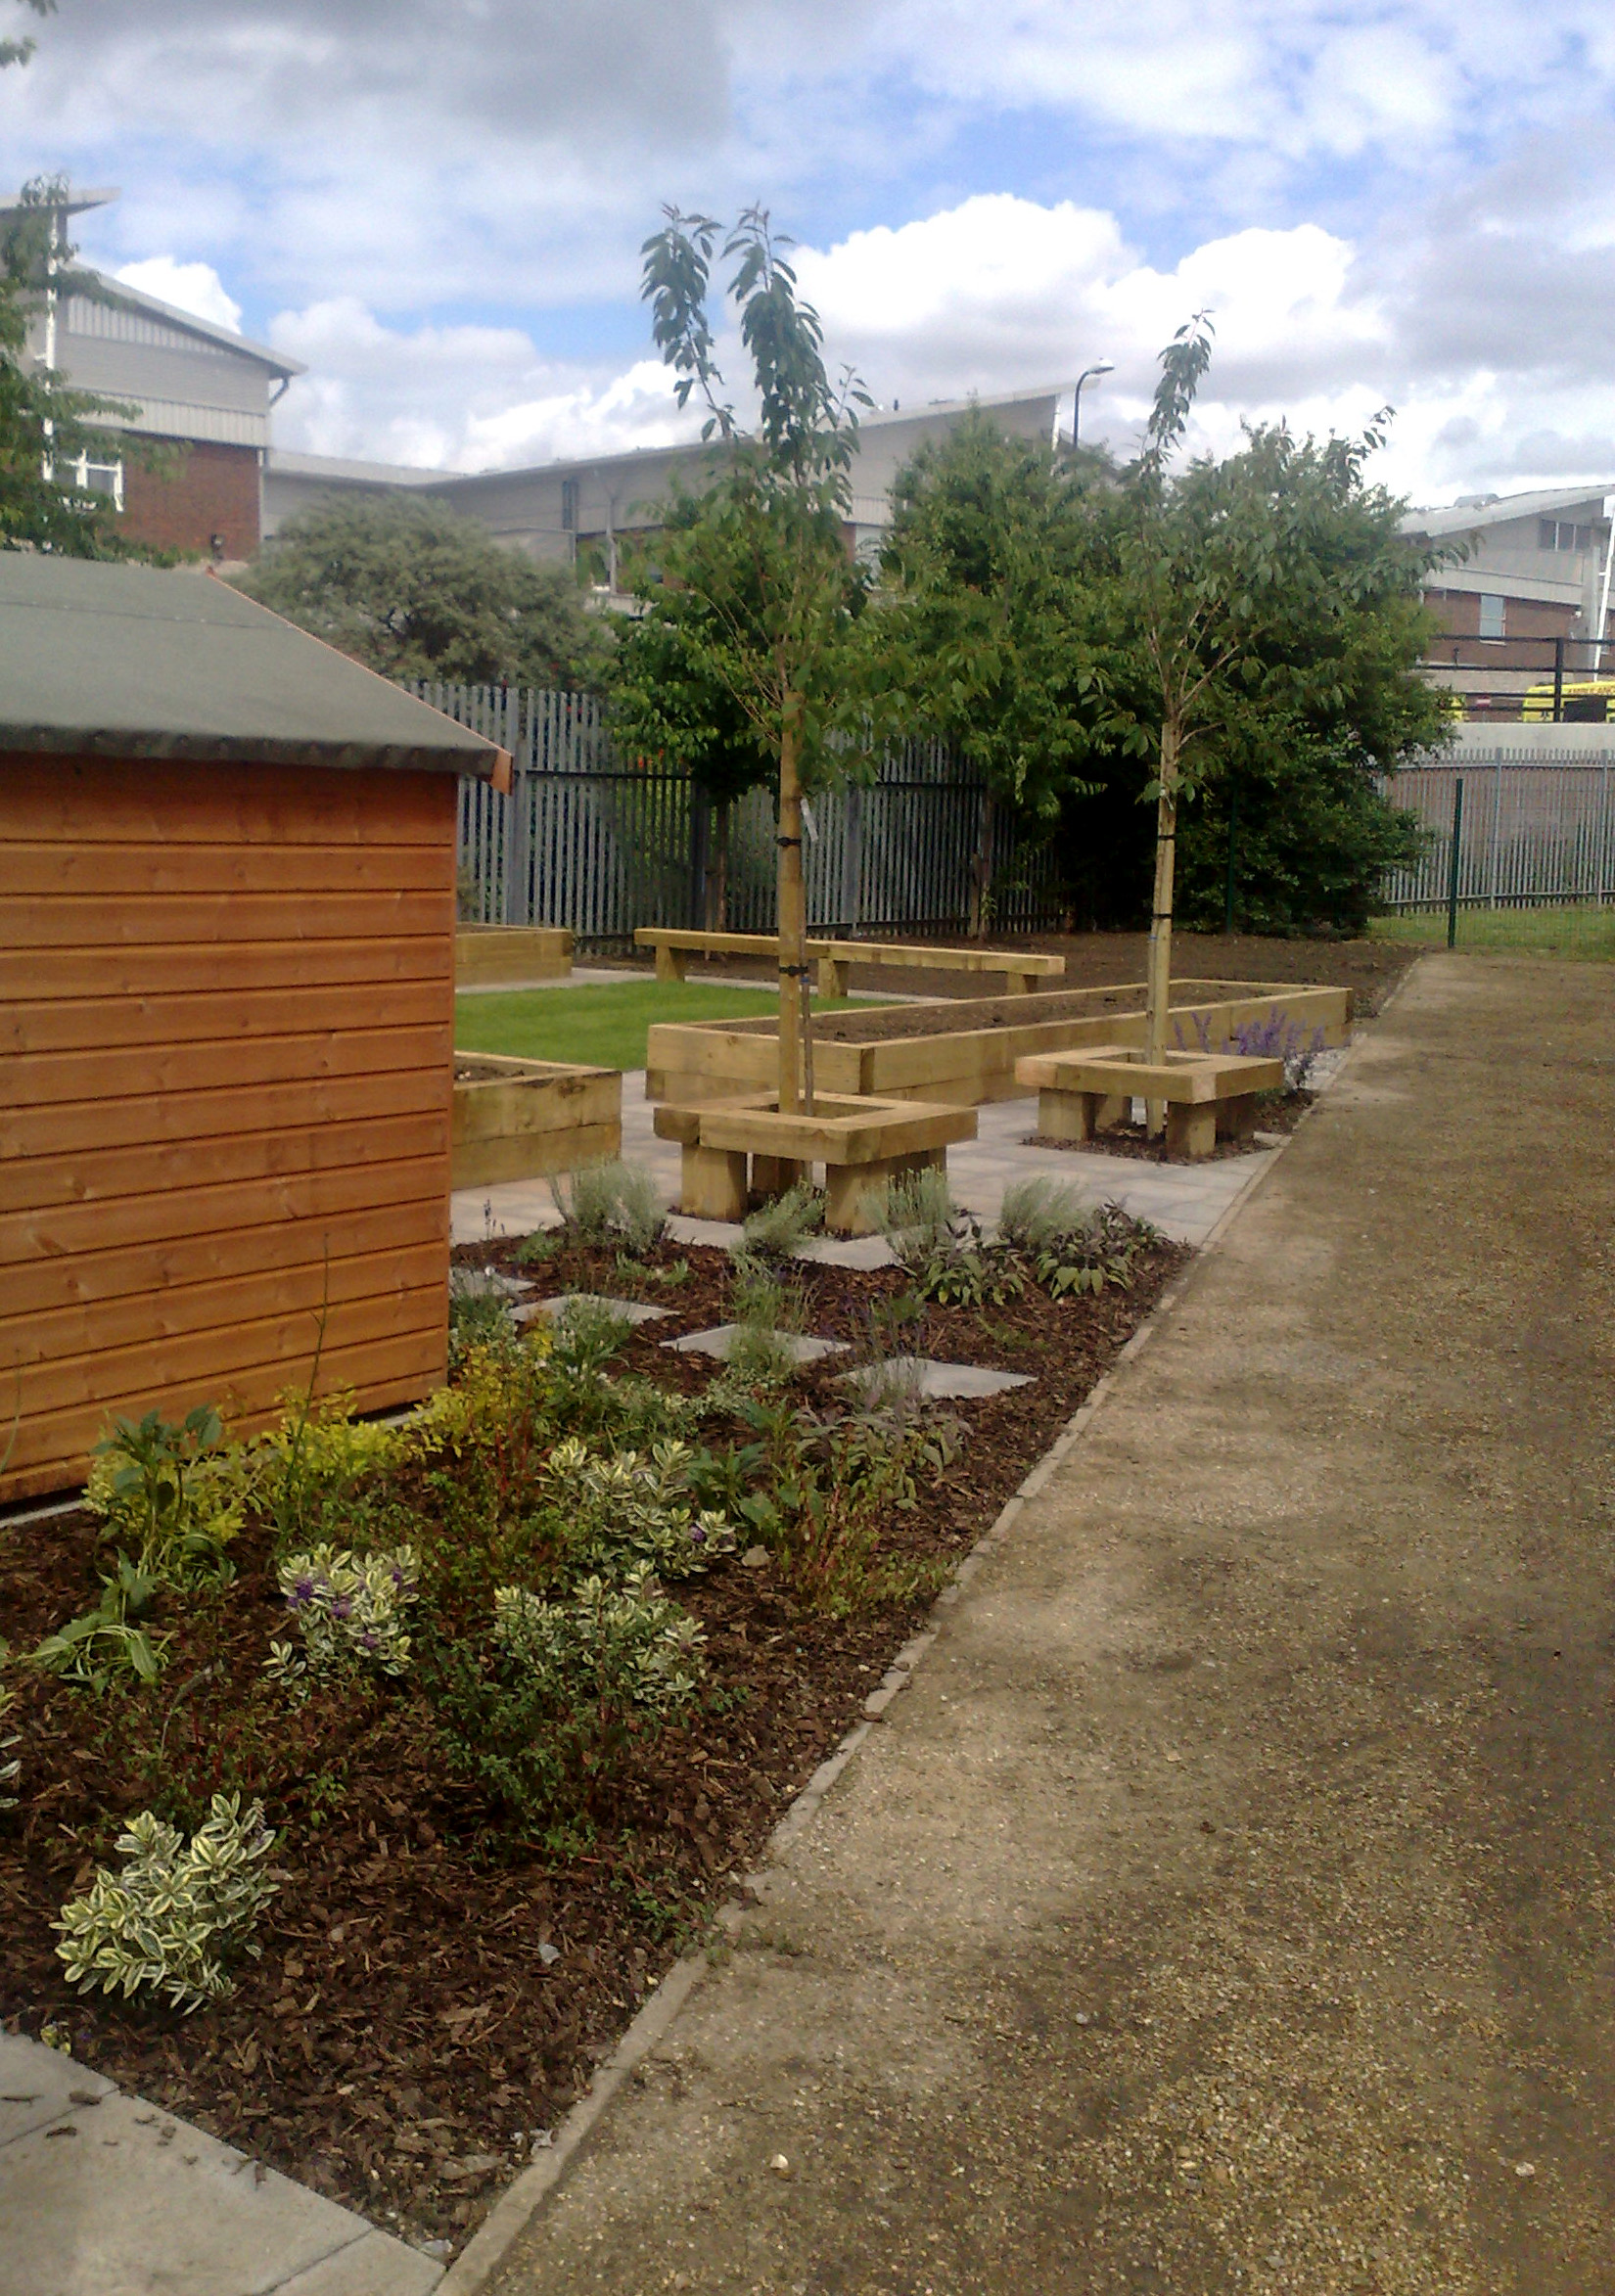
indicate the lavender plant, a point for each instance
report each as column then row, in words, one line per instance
column 168, row 1920
column 1278, row 1037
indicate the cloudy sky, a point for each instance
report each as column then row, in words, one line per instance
column 437, row 205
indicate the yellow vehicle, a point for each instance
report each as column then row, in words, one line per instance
column 1583, row 701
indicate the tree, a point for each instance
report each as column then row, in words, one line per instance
column 987, row 553
column 667, row 700
column 19, row 51
column 46, row 425
column 1274, row 606
column 414, row 590
column 764, row 553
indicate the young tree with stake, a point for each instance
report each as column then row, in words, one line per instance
column 765, row 550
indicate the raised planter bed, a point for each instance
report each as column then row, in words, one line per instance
column 523, row 1120
column 963, row 1052
column 736, row 1151
column 511, row 957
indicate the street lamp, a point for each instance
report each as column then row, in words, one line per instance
column 1105, row 367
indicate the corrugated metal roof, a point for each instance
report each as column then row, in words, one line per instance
column 113, row 660
column 1462, row 517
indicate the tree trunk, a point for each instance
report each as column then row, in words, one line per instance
column 1160, row 930
column 793, row 916
column 717, row 876
column 980, row 871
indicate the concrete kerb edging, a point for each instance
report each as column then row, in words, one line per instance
column 514, row 2211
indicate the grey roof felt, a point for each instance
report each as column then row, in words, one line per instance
column 112, row 661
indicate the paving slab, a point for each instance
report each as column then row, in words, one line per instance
column 718, row 1341
column 103, row 2195
column 1224, row 1909
column 921, row 1375
column 630, row 1311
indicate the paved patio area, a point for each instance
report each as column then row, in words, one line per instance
column 1185, row 1200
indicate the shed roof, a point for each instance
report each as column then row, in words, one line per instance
column 113, row 660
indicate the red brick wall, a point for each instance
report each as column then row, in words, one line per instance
column 1458, row 611
column 209, row 491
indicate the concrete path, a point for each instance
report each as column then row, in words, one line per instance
column 102, row 2195
column 1227, row 1904
column 1185, row 1200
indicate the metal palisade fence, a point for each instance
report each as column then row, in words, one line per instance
column 601, row 843
column 1531, row 832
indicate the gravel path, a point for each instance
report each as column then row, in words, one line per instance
column 1227, row 1904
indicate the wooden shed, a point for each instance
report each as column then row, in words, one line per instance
column 226, row 1003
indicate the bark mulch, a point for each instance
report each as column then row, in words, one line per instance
column 435, row 1992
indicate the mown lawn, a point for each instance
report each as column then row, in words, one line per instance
column 605, row 1027
column 1583, row 930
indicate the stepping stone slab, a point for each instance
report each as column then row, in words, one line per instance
column 918, row 1374
column 718, row 1340
column 630, row 1311
column 102, row 2195
column 849, row 1252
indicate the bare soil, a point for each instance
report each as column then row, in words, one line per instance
column 1104, row 961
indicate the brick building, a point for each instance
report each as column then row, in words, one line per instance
column 201, row 391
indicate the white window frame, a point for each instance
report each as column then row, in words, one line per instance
column 1499, row 615
column 77, row 470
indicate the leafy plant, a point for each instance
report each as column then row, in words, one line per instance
column 766, row 1313
column 350, row 1608
column 109, row 1641
column 776, row 1230
column 613, row 1204
column 312, row 1467
column 624, row 1514
column 479, row 1310
column 168, row 1494
column 585, row 1334
column 942, row 1248
column 556, row 1702
column 1072, row 1246
column 167, row 1921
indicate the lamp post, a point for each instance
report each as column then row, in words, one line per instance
column 1104, row 367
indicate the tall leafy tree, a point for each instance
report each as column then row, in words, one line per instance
column 764, row 553
column 667, row 700
column 1256, row 591
column 996, row 615
column 414, row 590
column 45, row 425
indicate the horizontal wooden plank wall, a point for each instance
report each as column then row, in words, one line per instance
column 226, row 1023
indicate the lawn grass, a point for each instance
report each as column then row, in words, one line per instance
column 605, row 1027
column 1583, row 930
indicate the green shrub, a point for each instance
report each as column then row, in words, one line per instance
column 625, row 1513
column 170, row 1495
column 585, row 1334
column 775, row 1230
column 479, row 1310
column 351, row 1609
column 167, row 1921
column 612, row 1203
column 551, row 1709
column 1072, row 1246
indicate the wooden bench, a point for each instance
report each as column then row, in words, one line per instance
column 739, row 1150
column 1209, row 1096
column 835, row 959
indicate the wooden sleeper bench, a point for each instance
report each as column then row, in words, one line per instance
column 735, row 1151
column 835, row 959
column 1209, row 1096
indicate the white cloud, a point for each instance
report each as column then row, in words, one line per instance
column 196, row 288
column 460, row 399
